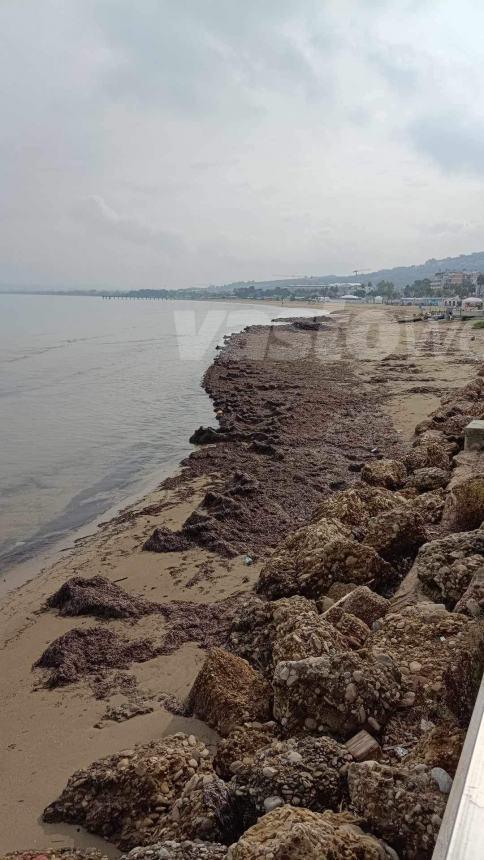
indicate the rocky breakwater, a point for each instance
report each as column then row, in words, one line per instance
column 344, row 690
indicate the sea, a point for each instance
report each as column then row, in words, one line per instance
column 98, row 398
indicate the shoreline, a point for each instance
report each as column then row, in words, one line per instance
column 39, row 725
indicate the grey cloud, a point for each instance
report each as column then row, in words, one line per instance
column 95, row 213
column 455, row 142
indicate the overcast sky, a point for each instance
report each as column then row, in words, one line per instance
column 186, row 142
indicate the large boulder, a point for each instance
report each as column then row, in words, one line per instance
column 315, row 556
column 228, row 692
column 430, row 506
column 205, row 810
column 290, row 833
column 123, row 797
column 307, row 771
column 464, row 505
column 256, row 626
column 425, row 455
column 440, row 655
column 355, row 506
column 238, row 749
column 336, row 695
column 363, row 603
column 309, row 636
column 185, row 850
column 396, row 535
column 391, row 474
column 402, row 805
column 446, row 566
column 430, row 478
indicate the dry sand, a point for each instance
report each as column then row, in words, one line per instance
column 47, row 734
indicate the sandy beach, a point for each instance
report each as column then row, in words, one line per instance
column 302, row 410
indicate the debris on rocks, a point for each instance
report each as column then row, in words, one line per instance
column 412, row 794
column 391, row 474
column 185, row 850
column 335, row 695
column 300, row 834
column 306, row 771
column 237, row 750
column 124, row 797
column 228, row 692
column 364, row 747
column 81, row 652
column 99, row 597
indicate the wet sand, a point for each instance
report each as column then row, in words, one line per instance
column 334, row 395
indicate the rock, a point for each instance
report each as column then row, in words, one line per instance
column 207, row 436
column 164, row 540
column 185, row 850
column 445, row 567
column 427, row 455
column 239, row 748
column 228, row 692
column 205, row 810
column 449, row 647
column 256, row 624
column 442, row 779
column 123, row 797
column 310, row 636
column 353, row 629
column 430, row 506
column 314, row 557
column 464, row 506
column 402, row 805
column 307, row 771
column 334, row 694
column 363, row 747
column 397, row 534
column 99, row 597
column 355, row 506
column 289, row 833
column 391, row 474
column 439, row 747
column 430, row 478
column 364, row 604
column 472, row 601
column 55, row 854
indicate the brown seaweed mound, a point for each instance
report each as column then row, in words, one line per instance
column 78, row 653
column 99, row 597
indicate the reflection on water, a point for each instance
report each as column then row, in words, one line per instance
column 96, row 398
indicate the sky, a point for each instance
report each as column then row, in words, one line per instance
column 175, row 143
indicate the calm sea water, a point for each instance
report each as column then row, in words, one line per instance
column 97, row 401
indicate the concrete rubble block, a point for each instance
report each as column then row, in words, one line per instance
column 430, row 478
column 440, row 655
column 354, row 630
column 396, row 534
column 124, row 796
column 445, row 567
column 255, row 627
column 464, row 505
column 364, row 604
column 289, row 833
column 228, row 692
column 430, row 505
column 305, row 771
column 238, row 749
column 390, row 474
column 185, row 850
column 474, row 435
column 428, row 454
column 205, row 810
column 404, row 806
column 315, row 557
column 364, row 747
column 472, row 601
column 355, row 506
column 309, row 636
column 335, row 695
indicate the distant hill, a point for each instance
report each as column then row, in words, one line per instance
column 399, row 275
